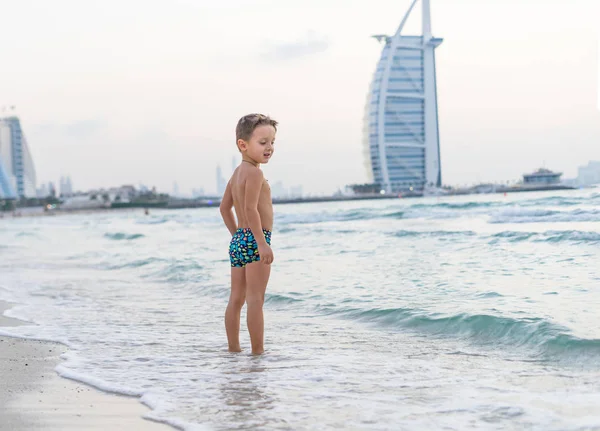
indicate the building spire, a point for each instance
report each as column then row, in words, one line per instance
column 426, row 20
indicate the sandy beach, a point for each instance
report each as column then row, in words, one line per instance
column 34, row 397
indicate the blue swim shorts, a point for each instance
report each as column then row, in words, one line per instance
column 243, row 248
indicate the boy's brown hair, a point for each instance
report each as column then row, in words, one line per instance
column 245, row 127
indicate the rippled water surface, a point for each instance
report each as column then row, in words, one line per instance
column 475, row 312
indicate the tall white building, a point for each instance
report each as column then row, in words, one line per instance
column 66, row 187
column 17, row 172
column 278, row 190
column 221, row 183
column 401, row 138
column 589, row 174
column 197, row 193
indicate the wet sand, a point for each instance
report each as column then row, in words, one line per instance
column 34, row 397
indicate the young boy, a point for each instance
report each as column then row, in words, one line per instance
column 249, row 251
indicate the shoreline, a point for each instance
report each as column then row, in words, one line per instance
column 35, row 396
column 214, row 203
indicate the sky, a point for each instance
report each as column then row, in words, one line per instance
column 149, row 92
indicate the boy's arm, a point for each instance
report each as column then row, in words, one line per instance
column 254, row 183
column 226, row 210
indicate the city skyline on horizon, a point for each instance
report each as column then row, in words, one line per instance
column 297, row 190
column 508, row 101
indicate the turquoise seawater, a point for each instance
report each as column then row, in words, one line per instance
column 455, row 313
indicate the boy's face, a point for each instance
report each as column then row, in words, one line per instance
column 261, row 145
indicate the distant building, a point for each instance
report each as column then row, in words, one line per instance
column 100, row 198
column 122, row 194
column 42, row 191
column 400, row 130
column 198, row 193
column 296, row 192
column 84, row 201
column 590, row 174
column 66, row 187
column 51, row 189
column 278, row 190
column 363, row 189
column 17, row 172
column 221, row 183
column 542, row 176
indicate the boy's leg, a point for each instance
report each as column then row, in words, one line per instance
column 234, row 308
column 257, row 277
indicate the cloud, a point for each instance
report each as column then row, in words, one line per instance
column 308, row 45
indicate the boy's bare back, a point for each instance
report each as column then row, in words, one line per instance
column 246, row 181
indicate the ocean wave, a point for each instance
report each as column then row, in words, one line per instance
column 571, row 235
column 500, row 211
column 136, row 263
column 458, row 205
column 331, row 216
column 432, row 234
column 559, row 201
column 119, row 236
column 286, row 229
column 177, row 271
column 443, row 210
column 526, row 215
column 512, row 236
column 366, row 214
column 487, row 295
column 157, row 220
column 544, row 339
column 394, row 214
column 274, row 298
column 552, row 236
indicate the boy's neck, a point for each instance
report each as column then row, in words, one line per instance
column 249, row 160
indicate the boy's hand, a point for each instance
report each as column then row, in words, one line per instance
column 266, row 254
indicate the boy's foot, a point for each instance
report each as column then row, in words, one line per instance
column 258, row 352
column 235, row 350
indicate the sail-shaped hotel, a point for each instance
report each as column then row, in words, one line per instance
column 401, row 135
column 17, row 172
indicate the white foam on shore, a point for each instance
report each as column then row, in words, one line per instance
column 67, row 373
column 17, row 312
column 152, row 401
column 157, row 404
column 5, row 333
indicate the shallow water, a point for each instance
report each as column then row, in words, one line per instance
column 473, row 312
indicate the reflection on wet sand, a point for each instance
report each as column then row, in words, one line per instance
column 245, row 391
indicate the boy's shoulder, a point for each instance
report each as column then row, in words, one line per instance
column 254, row 173
column 245, row 174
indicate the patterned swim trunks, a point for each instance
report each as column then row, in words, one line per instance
column 243, row 248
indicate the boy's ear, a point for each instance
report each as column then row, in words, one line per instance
column 242, row 145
